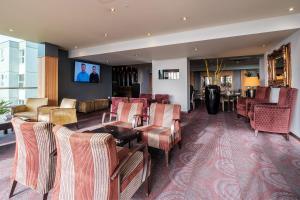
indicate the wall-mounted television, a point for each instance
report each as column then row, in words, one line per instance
column 85, row 72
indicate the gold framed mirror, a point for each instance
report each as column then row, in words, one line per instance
column 279, row 67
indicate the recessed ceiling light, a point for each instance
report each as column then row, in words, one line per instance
column 105, row 34
column 184, row 18
column 112, row 9
column 11, row 30
column 291, row 9
column 149, row 34
column 196, row 49
column 76, row 47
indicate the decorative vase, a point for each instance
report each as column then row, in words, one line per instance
column 212, row 99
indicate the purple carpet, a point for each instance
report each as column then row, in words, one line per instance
column 220, row 159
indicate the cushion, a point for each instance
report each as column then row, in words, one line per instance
column 30, row 115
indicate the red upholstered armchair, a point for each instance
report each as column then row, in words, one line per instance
column 144, row 101
column 34, row 166
column 163, row 130
column 162, row 98
column 243, row 104
column 147, row 96
column 128, row 115
column 114, row 105
column 275, row 118
column 91, row 166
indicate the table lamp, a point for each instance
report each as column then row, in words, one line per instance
column 251, row 83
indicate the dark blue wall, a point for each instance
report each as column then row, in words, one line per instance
column 67, row 88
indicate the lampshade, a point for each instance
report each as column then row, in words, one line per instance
column 251, row 81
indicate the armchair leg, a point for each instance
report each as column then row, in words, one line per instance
column 287, row 137
column 167, row 158
column 256, row 133
column 13, row 187
column 179, row 144
column 45, row 196
column 147, row 186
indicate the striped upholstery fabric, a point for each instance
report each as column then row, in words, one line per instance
column 141, row 100
column 86, row 162
column 33, row 165
column 126, row 113
column 115, row 102
column 158, row 133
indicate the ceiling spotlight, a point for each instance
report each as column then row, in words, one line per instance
column 291, row 9
column 184, row 18
column 196, row 49
column 11, row 30
column 105, row 34
column 112, row 9
column 76, row 47
column 149, row 34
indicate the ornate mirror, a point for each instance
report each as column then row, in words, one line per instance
column 279, row 66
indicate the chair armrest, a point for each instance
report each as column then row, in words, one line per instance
column 175, row 128
column 62, row 116
column 19, row 108
column 140, row 147
column 104, row 115
column 136, row 119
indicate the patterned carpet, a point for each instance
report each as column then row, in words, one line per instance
column 220, row 159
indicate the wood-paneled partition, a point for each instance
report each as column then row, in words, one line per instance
column 48, row 79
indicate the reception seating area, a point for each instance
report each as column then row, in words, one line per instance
column 188, row 100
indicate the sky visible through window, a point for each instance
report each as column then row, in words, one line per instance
column 4, row 38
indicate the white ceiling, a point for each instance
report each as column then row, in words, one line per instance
column 226, row 47
column 83, row 23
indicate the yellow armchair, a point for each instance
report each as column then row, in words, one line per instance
column 65, row 114
column 30, row 109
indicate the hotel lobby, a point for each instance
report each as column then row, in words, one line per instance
column 112, row 99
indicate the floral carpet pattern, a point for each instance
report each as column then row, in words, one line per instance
column 220, row 159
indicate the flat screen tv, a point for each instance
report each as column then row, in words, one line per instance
column 86, row 72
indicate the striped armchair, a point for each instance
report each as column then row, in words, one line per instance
column 128, row 115
column 163, row 130
column 90, row 167
column 141, row 100
column 34, row 166
column 114, row 105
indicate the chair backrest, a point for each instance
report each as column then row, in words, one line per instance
column 85, row 163
column 33, row 166
column 262, row 93
column 32, row 104
column 287, row 97
column 144, row 101
column 163, row 114
column 68, row 103
column 115, row 101
column 127, row 111
column 161, row 97
column 147, row 96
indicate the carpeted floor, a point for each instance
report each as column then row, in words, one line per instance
column 220, row 159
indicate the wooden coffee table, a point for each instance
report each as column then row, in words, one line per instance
column 122, row 135
column 5, row 125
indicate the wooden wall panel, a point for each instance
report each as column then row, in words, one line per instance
column 51, row 80
column 48, row 79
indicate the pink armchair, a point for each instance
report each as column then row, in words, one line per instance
column 275, row 118
column 114, row 105
column 89, row 166
column 163, row 130
column 162, row 98
column 34, row 166
column 244, row 104
column 128, row 115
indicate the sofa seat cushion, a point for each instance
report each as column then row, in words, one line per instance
column 119, row 124
column 29, row 115
column 157, row 137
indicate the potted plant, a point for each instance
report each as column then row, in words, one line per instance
column 4, row 108
column 213, row 92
